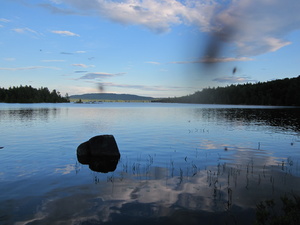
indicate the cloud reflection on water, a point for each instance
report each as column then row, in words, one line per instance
column 229, row 189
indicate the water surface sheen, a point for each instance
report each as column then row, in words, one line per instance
column 180, row 163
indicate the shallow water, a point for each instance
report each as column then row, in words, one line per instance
column 180, row 163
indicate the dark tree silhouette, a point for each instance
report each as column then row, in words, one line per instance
column 28, row 94
column 283, row 92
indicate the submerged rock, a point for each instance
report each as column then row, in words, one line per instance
column 101, row 153
column 103, row 164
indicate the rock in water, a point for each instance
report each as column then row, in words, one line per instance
column 102, row 145
column 101, row 153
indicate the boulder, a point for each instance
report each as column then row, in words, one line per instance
column 101, row 153
column 101, row 145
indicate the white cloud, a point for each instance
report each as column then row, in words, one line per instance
column 154, row 63
column 83, row 65
column 155, row 15
column 256, row 26
column 25, row 30
column 4, row 20
column 80, row 52
column 9, row 59
column 234, row 79
column 64, row 33
column 253, row 26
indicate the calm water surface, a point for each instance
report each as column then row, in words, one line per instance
column 180, row 163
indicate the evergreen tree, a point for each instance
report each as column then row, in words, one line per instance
column 283, row 92
column 28, row 94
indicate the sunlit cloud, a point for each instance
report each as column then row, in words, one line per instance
column 65, row 33
column 80, row 52
column 83, row 65
column 25, row 30
column 234, row 79
column 155, row 15
column 29, row 68
column 99, row 75
column 154, row 63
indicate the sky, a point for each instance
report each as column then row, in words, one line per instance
column 151, row 48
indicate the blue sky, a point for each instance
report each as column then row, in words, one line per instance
column 152, row 48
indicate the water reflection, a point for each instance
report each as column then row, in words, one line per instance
column 223, row 194
column 28, row 114
column 283, row 118
column 179, row 165
column 99, row 164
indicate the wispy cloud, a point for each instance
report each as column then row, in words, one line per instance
column 80, row 71
column 56, row 10
column 66, row 53
column 215, row 60
column 65, row 33
column 4, row 20
column 53, row 60
column 142, row 87
column 71, row 53
column 29, row 68
column 80, row 52
column 99, row 75
column 25, row 30
column 83, row 65
column 9, row 59
column 234, row 79
column 154, row 63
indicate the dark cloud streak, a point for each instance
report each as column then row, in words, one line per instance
column 99, row 75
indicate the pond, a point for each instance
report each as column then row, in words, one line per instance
column 180, row 163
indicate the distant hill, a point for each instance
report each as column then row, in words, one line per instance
column 111, row 97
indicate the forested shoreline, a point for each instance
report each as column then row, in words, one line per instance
column 284, row 92
column 28, row 94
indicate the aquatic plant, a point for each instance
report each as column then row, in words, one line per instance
column 268, row 213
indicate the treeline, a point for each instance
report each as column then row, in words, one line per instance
column 285, row 92
column 28, row 94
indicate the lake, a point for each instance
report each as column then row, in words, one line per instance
column 180, row 163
